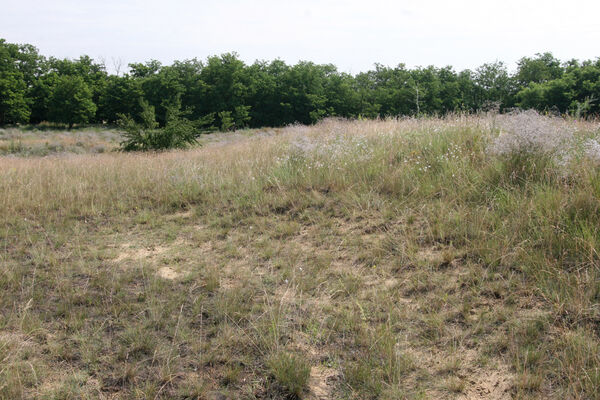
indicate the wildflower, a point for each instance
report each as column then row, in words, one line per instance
column 530, row 132
column 592, row 150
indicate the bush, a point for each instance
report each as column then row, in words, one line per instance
column 227, row 122
column 146, row 135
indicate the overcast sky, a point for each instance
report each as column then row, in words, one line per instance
column 351, row 34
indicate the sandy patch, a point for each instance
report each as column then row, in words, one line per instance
column 168, row 273
column 320, row 383
column 493, row 385
column 129, row 253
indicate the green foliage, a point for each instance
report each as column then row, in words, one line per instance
column 71, row 101
column 533, row 96
column 226, row 121
column 206, row 122
column 14, row 106
column 147, row 116
column 40, row 94
column 542, row 68
column 241, row 116
column 121, row 95
column 146, row 135
column 276, row 94
column 17, row 66
column 494, row 85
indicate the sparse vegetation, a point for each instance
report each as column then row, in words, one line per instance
column 398, row 258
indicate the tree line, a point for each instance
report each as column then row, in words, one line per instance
column 224, row 92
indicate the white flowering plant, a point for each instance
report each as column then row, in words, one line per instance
column 528, row 132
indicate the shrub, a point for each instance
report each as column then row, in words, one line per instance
column 227, row 122
column 146, row 135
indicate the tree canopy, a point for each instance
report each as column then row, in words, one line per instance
column 231, row 94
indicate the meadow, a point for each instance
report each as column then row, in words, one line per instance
column 39, row 141
column 414, row 258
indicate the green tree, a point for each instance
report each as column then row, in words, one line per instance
column 449, row 90
column 468, row 91
column 71, row 101
column 162, row 90
column 303, row 92
column 341, row 96
column 14, row 107
column 93, row 74
column 17, row 71
column 265, row 93
column 225, row 84
column 494, row 84
column 556, row 94
column 365, row 86
column 539, row 69
column 426, row 90
column 584, row 81
column 224, row 91
column 532, row 96
column 121, row 95
column 40, row 94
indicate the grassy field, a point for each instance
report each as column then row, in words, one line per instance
column 46, row 141
column 416, row 258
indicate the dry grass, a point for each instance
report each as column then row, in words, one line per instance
column 393, row 259
column 30, row 141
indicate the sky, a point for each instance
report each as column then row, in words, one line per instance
column 351, row 34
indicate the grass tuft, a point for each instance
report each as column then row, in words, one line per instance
column 290, row 371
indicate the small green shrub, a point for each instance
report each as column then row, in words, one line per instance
column 290, row 371
column 227, row 122
column 177, row 133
